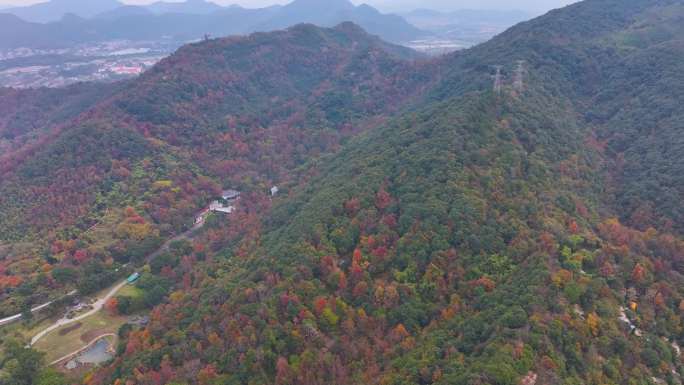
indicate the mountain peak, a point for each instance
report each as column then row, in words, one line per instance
column 327, row 5
column 55, row 9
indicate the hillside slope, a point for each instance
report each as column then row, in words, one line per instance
column 240, row 112
column 471, row 240
column 503, row 215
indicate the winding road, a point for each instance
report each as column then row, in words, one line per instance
column 99, row 303
column 97, row 306
column 164, row 247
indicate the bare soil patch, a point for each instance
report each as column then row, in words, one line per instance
column 90, row 335
column 70, row 328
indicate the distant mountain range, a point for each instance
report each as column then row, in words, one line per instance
column 475, row 25
column 54, row 10
column 63, row 23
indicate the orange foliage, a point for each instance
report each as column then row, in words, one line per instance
column 593, row 321
column 638, row 273
column 548, row 243
column 399, row 333
column 10, row 281
column 485, row 283
column 561, row 277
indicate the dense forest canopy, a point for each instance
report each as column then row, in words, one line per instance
column 509, row 214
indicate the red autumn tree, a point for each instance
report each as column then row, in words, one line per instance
column 352, row 206
column 112, row 306
column 382, row 199
column 282, row 371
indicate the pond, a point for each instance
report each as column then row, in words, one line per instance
column 96, row 354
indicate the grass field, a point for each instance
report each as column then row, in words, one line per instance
column 70, row 338
column 129, row 291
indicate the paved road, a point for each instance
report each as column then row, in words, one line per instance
column 17, row 317
column 97, row 306
column 163, row 248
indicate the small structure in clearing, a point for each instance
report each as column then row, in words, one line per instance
column 225, row 204
column 133, row 277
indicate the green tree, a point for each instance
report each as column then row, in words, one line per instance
column 50, row 376
column 22, row 365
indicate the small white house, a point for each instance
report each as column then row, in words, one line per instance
column 274, row 191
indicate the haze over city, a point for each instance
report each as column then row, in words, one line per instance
column 534, row 6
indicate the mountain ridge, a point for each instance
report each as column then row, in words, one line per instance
column 472, row 234
column 53, row 10
column 502, row 215
column 182, row 22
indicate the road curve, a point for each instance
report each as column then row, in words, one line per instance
column 17, row 317
column 97, row 306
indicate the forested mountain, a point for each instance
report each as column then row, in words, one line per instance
column 189, row 6
column 507, row 214
column 53, row 10
column 332, row 12
column 24, row 111
column 245, row 111
column 184, row 21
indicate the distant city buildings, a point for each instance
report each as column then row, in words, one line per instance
column 99, row 62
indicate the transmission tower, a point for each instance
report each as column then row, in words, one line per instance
column 498, row 80
column 519, row 76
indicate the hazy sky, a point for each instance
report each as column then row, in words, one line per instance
column 536, row 6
